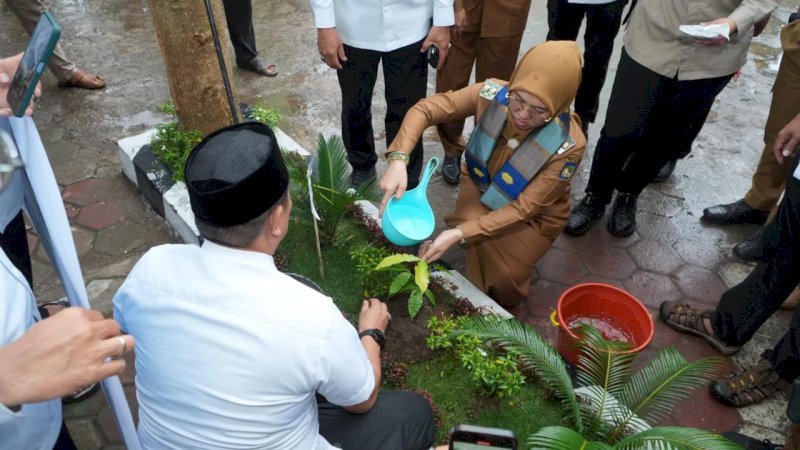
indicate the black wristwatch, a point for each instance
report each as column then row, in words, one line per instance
column 376, row 334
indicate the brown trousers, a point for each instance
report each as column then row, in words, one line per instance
column 500, row 266
column 28, row 13
column 768, row 180
column 493, row 57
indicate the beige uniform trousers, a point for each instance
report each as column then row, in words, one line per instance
column 28, row 13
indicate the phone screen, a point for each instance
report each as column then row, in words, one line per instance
column 38, row 52
column 479, row 446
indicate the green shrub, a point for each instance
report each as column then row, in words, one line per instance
column 265, row 114
column 416, row 284
column 172, row 146
column 375, row 283
column 495, row 374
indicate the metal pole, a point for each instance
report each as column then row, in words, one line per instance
column 221, row 58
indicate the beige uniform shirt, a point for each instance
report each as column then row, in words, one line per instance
column 652, row 38
column 544, row 203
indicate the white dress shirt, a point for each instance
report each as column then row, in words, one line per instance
column 36, row 425
column 230, row 352
column 382, row 25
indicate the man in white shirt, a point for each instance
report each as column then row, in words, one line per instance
column 353, row 36
column 233, row 354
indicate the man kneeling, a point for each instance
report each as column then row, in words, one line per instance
column 233, row 354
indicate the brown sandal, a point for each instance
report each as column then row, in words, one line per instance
column 748, row 387
column 84, row 80
column 690, row 320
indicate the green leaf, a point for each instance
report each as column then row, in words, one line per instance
column 414, row 303
column 421, row 275
column 561, row 438
column 677, row 438
column 397, row 258
column 398, row 282
column 431, row 297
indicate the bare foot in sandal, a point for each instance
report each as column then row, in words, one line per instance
column 686, row 319
column 259, row 66
column 84, row 80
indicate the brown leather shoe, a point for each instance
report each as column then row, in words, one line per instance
column 748, row 387
column 84, row 80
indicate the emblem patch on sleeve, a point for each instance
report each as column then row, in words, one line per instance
column 490, row 89
column 569, row 168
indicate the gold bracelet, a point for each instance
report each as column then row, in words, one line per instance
column 394, row 156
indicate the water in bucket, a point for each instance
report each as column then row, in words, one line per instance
column 611, row 329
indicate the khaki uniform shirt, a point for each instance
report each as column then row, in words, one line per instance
column 652, row 38
column 544, row 203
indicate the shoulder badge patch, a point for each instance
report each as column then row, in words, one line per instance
column 569, row 168
column 490, row 89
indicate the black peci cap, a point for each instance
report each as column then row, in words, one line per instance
column 235, row 174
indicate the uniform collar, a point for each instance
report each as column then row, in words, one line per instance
column 259, row 258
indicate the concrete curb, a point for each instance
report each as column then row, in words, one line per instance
column 171, row 201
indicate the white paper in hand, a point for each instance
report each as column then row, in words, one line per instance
column 311, row 190
column 706, row 32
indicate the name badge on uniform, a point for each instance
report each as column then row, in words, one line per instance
column 569, row 168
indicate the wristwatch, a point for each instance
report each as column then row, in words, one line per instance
column 376, row 334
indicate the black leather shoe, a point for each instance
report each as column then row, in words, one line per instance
column 750, row 249
column 622, row 222
column 583, row 216
column 665, row 172
column 451, row 169
column 734, row 213
column 361, row 176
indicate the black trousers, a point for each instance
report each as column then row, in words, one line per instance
column 746, row 306
column 14, row 242
column 239, row 15
column 650, row 120
column 602, row 25
column 398, row 421
column 405, row 73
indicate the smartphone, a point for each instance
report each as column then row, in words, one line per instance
column 433, row 56
column 473, row 437
column 37, row 54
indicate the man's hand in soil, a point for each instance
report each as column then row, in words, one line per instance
column 331, row 48
column 788, row 139
column 374, row 314
column 60, row 355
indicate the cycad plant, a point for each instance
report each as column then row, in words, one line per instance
column 330, row 181
column 614, row 403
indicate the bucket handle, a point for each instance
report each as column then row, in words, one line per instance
column 553, row 319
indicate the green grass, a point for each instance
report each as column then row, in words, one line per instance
column 459, row 402
column 340, row 281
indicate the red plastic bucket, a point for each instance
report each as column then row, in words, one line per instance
column 617, row 314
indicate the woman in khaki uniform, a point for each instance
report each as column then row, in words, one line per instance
column 530, row 145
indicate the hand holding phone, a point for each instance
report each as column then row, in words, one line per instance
column 472, row 437
column 37, row 54
column 433, row 56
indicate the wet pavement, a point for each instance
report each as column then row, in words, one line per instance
column 672, row 256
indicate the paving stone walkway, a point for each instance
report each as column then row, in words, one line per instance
column 672, row 255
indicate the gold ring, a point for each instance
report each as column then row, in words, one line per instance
column 124, row 344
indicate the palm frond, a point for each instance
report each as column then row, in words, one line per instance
column 603, row 370
column 676, row 438
column 560, row 438
column 332, row 168
column 666, row 380
column 535, row 354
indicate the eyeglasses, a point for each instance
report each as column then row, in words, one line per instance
column 516, row 102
